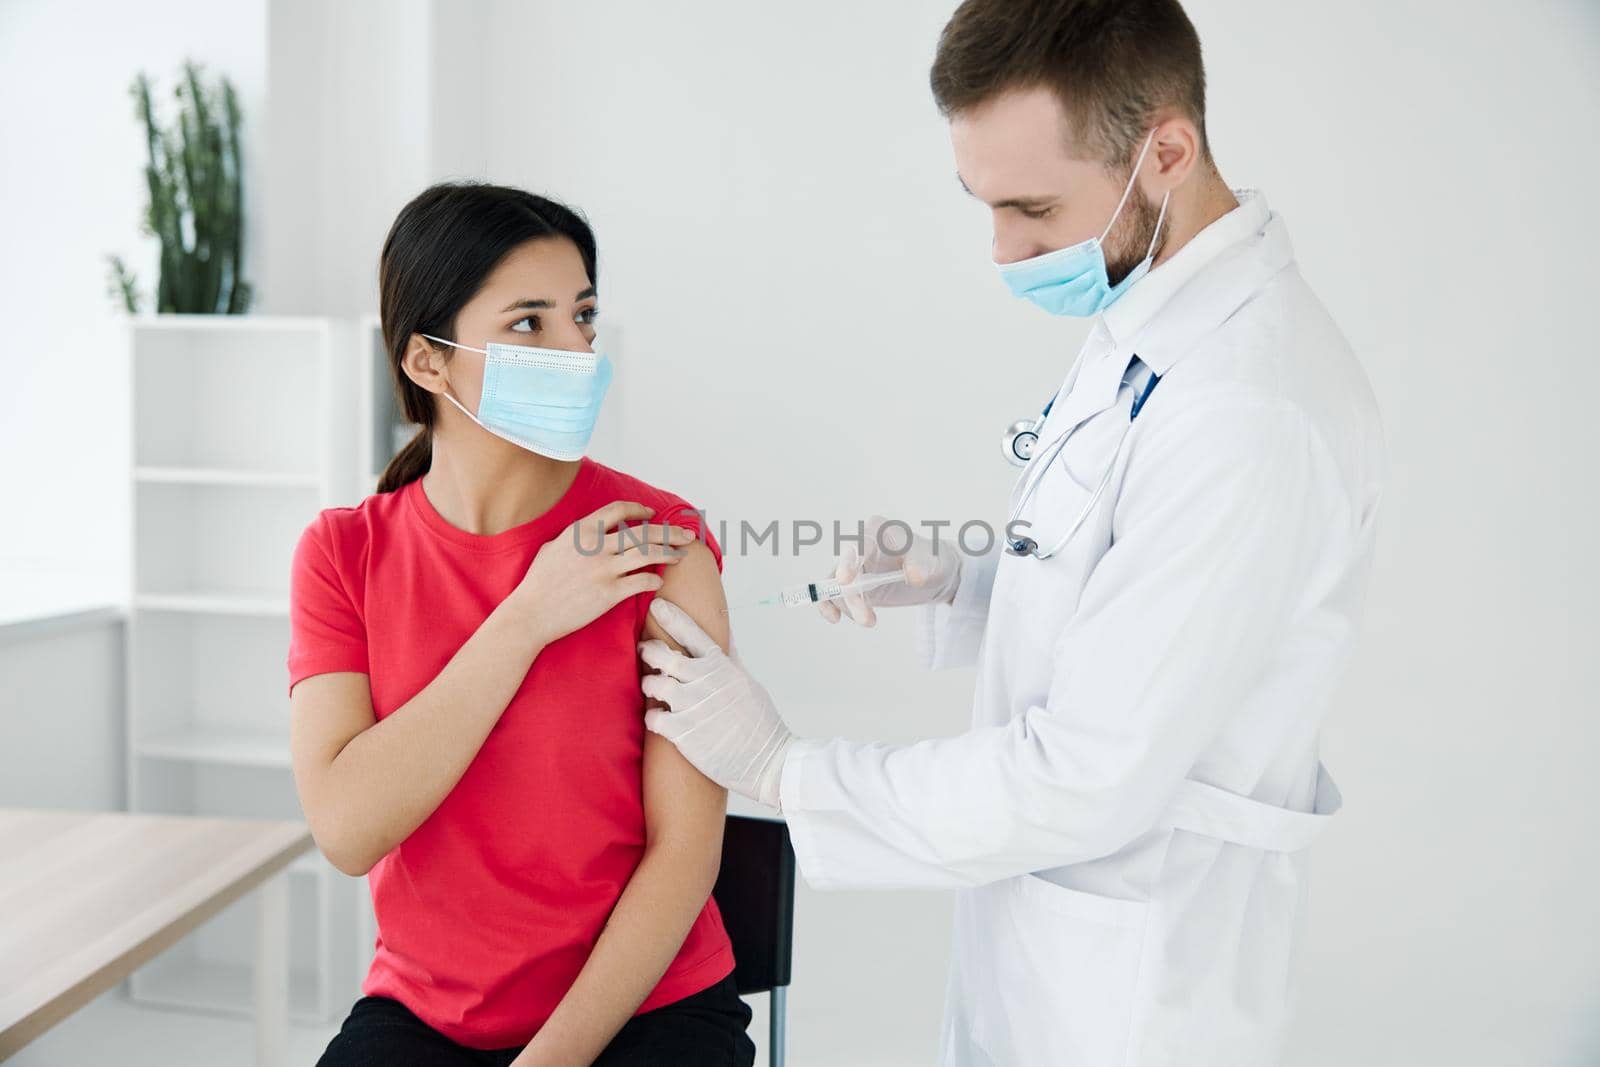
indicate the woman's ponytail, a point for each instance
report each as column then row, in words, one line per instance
column 410, row 463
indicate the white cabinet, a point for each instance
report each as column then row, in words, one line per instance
column 244, row 427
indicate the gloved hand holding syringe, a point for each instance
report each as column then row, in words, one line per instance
column 795, row 596
column 889, row 569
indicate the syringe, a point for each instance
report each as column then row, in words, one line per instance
column 827, row 589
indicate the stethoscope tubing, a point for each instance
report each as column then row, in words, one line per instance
column 1020, row 546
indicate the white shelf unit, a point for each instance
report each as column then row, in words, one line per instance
column 242, row 430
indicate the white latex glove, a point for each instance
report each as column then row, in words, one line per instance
column 933, row 570
column 721, row 719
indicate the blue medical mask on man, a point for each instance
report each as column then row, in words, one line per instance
column 546, row 400
column 1073, row 280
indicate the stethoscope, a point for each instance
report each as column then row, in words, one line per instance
column 1020, row 440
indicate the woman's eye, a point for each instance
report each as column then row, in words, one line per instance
column 1043, row 214
column 517, row 326
column 588, row 315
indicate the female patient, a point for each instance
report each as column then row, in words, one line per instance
column 464, row 684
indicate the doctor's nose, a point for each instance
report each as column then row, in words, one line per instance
column 1007, row 247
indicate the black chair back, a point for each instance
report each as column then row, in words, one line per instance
column 755, row 893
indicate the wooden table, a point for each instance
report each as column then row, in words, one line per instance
column 87, row 897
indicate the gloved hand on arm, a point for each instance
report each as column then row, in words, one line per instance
column 721, row 719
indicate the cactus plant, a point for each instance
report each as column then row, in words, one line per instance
column 194, row 175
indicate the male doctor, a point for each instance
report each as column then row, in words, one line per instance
column 1127, row 819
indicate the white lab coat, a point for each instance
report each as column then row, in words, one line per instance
column 1127, row 818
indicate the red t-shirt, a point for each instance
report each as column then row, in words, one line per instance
column 488, row 911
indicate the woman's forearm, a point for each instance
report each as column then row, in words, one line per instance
column 646, row 929
column 390, row 777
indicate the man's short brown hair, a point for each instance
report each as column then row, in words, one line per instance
column 1113, row 64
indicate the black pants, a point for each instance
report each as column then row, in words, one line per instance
column 703, row 1030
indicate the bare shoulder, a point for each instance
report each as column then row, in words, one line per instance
column 695, row 585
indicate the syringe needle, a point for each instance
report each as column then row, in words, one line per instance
column 826, row 589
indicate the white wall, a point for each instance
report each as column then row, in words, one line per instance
column 72, row 159
column 782, row 233
column 71, row 191
column 346, row 142
column 1436, row 164
column 781, row 230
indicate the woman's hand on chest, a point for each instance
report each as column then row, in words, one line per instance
column 593, row 565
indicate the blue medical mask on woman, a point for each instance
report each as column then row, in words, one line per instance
column 1073, row 280
column 546, row 400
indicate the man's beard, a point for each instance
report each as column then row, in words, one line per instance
column 1130, row 238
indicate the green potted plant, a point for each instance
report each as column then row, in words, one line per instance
column 194, row 176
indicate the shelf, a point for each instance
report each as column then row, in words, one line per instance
column 174, row 981
column 213, row 603
column 243, row 428
column 223, row 476
column 239, row 323
column 230, row 395
column 229, row 539
column 234, row 747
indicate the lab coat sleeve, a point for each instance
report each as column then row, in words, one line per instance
column 948, row 635
column 1227, row 506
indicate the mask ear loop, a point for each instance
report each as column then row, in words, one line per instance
column 1159, row 220
column 452, row 344
column 446, row 395
column 463, row 409
column 1129, row 187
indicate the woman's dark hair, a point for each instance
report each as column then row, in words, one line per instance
column 440, row 249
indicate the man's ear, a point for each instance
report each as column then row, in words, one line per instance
column 1177, row 150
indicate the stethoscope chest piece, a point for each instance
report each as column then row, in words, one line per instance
column 1021, row 438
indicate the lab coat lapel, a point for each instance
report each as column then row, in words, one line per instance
column 1092, row 391
column 1214, row 295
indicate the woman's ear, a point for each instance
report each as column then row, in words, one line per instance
column 424, row 362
